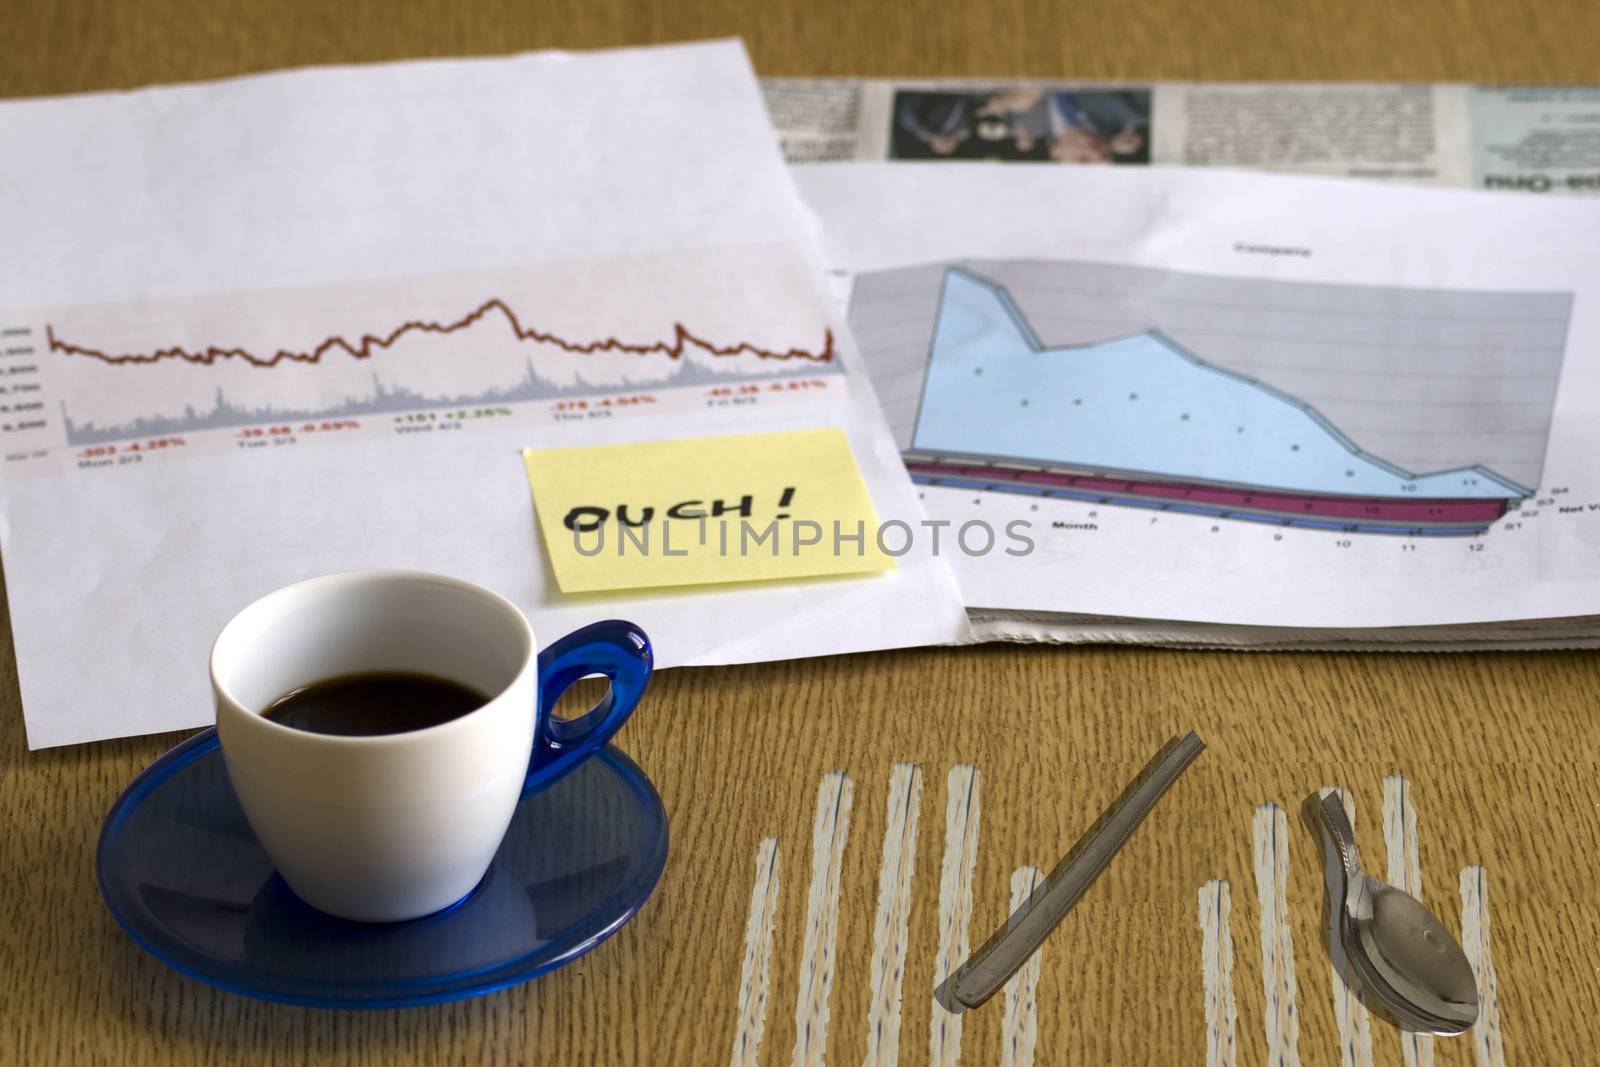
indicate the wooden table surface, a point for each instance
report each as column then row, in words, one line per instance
column 1500, row 751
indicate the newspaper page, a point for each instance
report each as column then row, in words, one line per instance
column 1541, row 139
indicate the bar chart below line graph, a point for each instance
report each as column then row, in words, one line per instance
column 383, row 349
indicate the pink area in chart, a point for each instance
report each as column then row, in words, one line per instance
column 1370, row 509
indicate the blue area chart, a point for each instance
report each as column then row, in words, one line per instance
column 1141, row 420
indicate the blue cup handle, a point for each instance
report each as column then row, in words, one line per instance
column 618, row 651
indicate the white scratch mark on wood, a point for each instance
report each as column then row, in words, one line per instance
column 1487, row 1040
column 829, row 833
column 1019, row 1027
column 1270, row 838
column 894, row 913
column 1349, row 1013
column 755, row 972
column 1216, row 967
column 955, row 904
column 1404, row 871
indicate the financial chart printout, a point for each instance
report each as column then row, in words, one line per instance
column 327, row 349
column 1412, row 412
column 530, row 344
column 1236, row 399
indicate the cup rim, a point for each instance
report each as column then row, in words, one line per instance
column 353, row 577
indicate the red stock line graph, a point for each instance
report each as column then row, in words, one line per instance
column 513, row 363
column 364, row 348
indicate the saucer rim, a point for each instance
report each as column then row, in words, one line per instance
column 205, row 743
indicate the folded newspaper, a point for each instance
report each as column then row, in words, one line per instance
column 1534, row 138
column 1205, row 407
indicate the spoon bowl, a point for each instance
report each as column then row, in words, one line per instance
column 1405, row 959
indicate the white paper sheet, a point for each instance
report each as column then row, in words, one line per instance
column 1454, row 328
column 421, row 213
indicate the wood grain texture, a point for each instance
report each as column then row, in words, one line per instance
column 1215, row 906
column 896, row 873
column 1488, row 1039
column 830, row 837
column 1019, row 1026
column 963, row 820
column 1506, row 749
column 1280, row 1015
column 755, row 973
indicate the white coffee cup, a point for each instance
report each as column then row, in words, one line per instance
column 388, row 827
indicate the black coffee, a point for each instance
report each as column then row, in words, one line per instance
column 381, row 702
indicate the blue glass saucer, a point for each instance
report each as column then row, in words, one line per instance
column 184, row 875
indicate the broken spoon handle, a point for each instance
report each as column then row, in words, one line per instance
column 975, row 981
column 1330, row 813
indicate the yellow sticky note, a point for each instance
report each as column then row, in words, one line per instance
column 704, row 510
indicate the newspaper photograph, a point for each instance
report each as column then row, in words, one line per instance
column 1015, row 125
